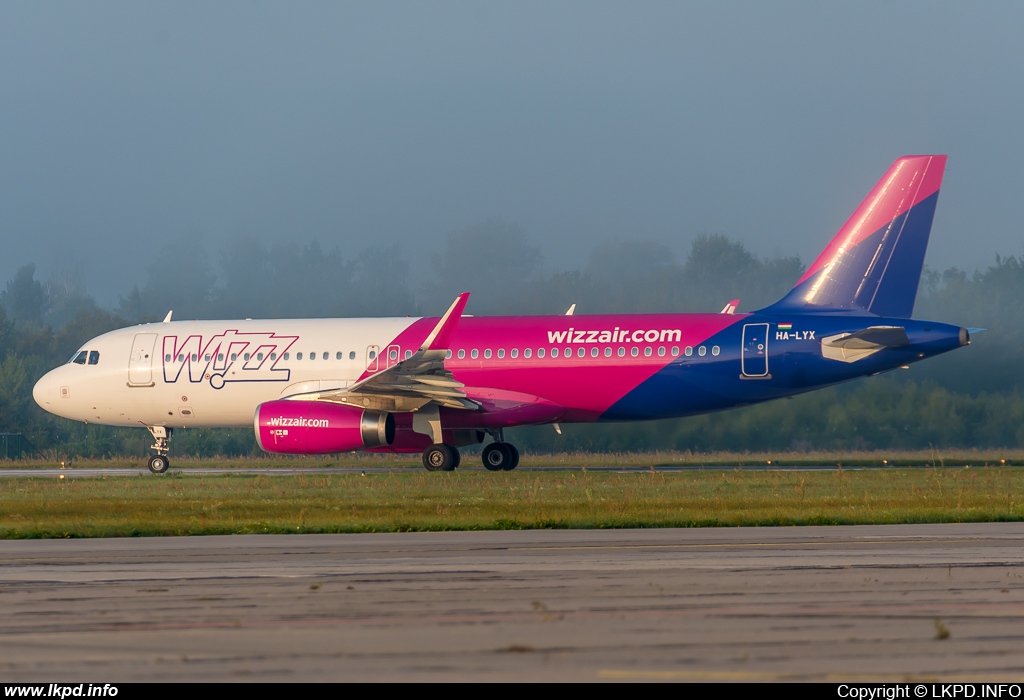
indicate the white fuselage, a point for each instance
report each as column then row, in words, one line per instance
column 213, row 373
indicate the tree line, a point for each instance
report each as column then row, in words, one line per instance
column 970, row 398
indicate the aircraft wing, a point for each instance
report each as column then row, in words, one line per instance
column 416, row 381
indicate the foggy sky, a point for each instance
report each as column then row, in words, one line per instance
column 129, row 127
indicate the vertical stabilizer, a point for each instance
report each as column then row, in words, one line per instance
column 874, row 262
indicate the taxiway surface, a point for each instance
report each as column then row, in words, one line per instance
column 830, row 603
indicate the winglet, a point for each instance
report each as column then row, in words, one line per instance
column 730, row 308
column 441, row 336
column 167, row 318
column 571, row 311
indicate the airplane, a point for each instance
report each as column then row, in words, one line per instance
column 433, row 385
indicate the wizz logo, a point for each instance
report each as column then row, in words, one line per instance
column 228, row 357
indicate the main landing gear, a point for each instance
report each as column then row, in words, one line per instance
column 159, row 463
column 441, row 458
column 497, row 456
column 500, row 457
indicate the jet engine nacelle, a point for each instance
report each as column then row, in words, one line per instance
column 319, row 427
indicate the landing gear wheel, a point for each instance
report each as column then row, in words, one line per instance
column 497, row 457
column 458, row 457
column 159, row 464
column 514, row 453
column 440, row 458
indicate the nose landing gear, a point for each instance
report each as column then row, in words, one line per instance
column 159, row 463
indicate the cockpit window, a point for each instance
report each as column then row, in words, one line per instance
column 94, row 357
column 79, row 359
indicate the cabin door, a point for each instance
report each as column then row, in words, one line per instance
column 140, row 364
column 754, row 356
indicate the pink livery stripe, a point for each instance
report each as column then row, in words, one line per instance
column 585, row 374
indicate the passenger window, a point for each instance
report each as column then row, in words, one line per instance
column 487, row 354
column 220, row 357
column 448, row 355
column 298, row 355
column 259, row 356
column 195, row 357
column 94, row 357
column 352, row 355
column 647, row 351
column 312, row 355
column 234, row 356
column 393, row 354
column 634, row 351
column 245, row 357
column 582, row 352
column 622, row 352
column 181, row 358
column 715, row 350
column 607, row 352
column 527, row 352
column 273, row 356
column 515, row 353
column 702, row 351
column 206, row 358
column 675, row 351
column 540, row 352
column 167, row 358
column 688, row 351
column 408, row 354
column 337, row 355
column 462, row 354
column 501, row 353
column 475, row 353
column 285, row 356
column 554, row 352
column 661, row 351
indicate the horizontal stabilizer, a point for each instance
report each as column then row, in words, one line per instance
column 850, row 347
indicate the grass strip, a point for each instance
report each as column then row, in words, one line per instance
column 846, row 458
column 132, row 505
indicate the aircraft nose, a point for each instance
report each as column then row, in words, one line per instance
column 45, row 391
